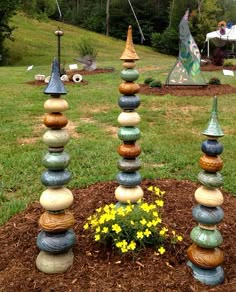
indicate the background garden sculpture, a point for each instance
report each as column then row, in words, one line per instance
column 187, row 68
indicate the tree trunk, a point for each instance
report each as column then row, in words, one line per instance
column 107, row 17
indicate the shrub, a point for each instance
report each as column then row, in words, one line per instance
column 156, row 83
column 218, row 57
column 214, row 80
column 167, row 42
column 87, row 48
column 130, row 227
column 228, row 64
column 148, row 80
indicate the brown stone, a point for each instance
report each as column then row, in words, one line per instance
column 204, row 257
column 55, row 120
column 211, row 163
column 129, row 88
column 129, row 150
column 56, row 222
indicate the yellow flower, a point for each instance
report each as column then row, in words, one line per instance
column 112, row 206
column 145, row 207
column 161, row 250
column 121, row 212
column 86, row 226
column 124, row 249
column 132, row 222
column 159, row 203
column 132, row 245
column 106, row 209
column 139, row 201
column 105, row 230
column 147, row 232
column 128, row 209
column 163, row 231
column 143, row 221
column 128, row 202
column 173, row 232
column 155, row 214
column 99, row 210
column 94, row 222
column 179, row 238
column 150, row 188
column 97, row 237
column 119, row 244
column 149, row 224
column 116, row 228
column 98, row 229
column 140, row 234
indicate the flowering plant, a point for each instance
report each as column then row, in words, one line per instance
column 130, row 227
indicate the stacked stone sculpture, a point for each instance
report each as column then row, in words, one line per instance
column 56, row 237
column 129, row 179
column 205, row 256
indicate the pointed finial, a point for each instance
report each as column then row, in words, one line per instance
column 129, row 51
column 213, row 129
column 55, row 85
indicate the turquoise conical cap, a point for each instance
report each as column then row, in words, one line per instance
column 213, row 129
column 55, row 85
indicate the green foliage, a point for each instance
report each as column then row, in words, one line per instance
column 130, row 227
column 167, row 42
column 214, row 80
column 148, row 80
column 39, row 9
column 156, row 83
column 228, row 64
column 86, row 47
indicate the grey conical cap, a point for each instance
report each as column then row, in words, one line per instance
column 55, row 85
column 213, row 129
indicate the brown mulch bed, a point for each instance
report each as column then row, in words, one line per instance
column 99, row 269
column 211, row 67
column 209, row 90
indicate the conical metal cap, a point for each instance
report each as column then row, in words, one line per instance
column 213, row 129
column 129, row 52
column 55, row 85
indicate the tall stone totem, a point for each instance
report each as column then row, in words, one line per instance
column 56, row 238
column 205, row 256
column 129, row 177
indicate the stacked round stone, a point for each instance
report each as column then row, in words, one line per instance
column 129, row 177
column 205, row 256
column 56, row 237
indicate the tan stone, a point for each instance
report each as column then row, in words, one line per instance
column 124, row 194
column 55, row 105
column 56, row 222
column 129, row 119
column 209, row 197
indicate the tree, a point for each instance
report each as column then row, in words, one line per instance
column 7, row 10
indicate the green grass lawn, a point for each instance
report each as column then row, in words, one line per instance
column 171, row 126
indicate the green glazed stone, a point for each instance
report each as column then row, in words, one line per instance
column 212, row 147
column 56, row 242
column 129, row 74
column 206, row 238
column 211, row 180
column 129, row 102
column 208, row 215
column 55, row 178
column 211, row 277
column 129, row 179
column 129, row 134
column 56, row 161
column 129, row 165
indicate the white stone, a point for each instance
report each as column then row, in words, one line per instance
column 209, row 197
column 56, row 199
column 55, row 105
column 56, row 138
column 128, row 119
column 124, row 194
column 54, row 263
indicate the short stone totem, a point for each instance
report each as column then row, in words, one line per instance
column 205, row 256
column 129, row 179
column 56, row 238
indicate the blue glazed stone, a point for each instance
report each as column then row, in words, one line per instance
column 129, row 179
column 56, row 161
column 129, row 165
column 129, row 102
column 212, row 147
column 211, row 180
column 206, row 238
column 56, row 242
column 208, row 215
column 211, row 277
column 129, row 134
column 129, row 74
column 55, row 178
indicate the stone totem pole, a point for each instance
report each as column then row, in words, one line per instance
column 56, row 238
column 205, row 256
column 129, row 177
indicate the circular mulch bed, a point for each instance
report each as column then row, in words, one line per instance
column 99, row 269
